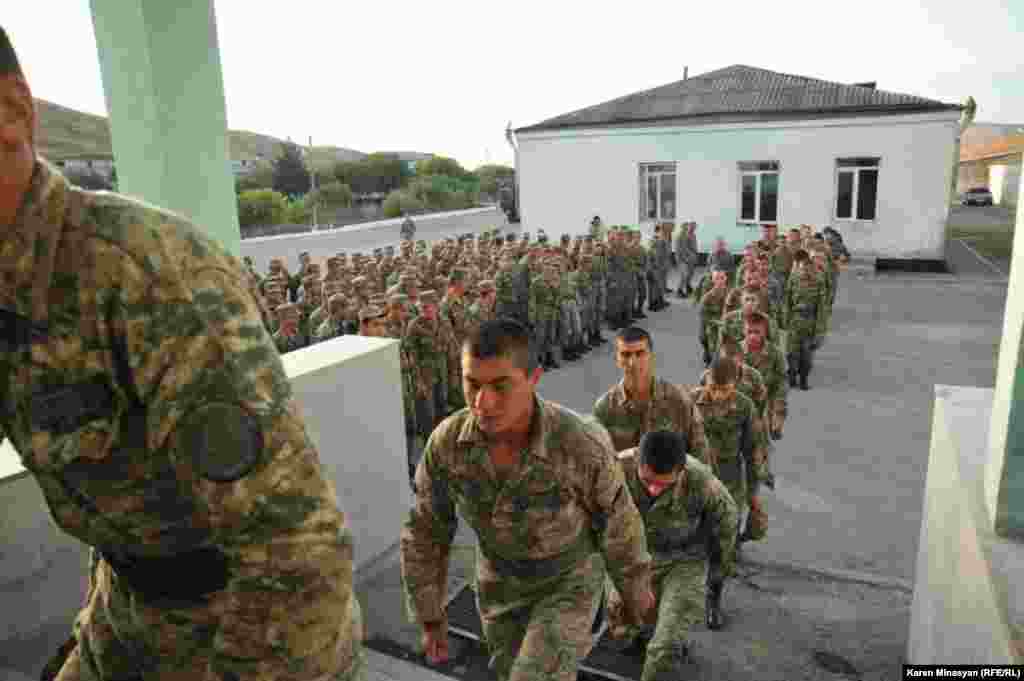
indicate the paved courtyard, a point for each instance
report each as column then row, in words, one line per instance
column 829, row 591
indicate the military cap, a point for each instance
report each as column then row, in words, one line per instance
column 486, row 285
column 370, row 312
column 429, row 297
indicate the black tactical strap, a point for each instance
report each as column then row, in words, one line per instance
column 186, row 576
column 17, row 331
column 65, row 409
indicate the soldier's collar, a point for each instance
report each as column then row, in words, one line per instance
column 28, row 249
column 656, row 390
column 540, row 428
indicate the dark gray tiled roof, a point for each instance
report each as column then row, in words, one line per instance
column 742, row 93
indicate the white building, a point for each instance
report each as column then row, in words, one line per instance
column 739, row 147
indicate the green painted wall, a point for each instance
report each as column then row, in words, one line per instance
column 165, row 96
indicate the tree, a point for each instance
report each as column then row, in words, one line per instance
column 488, row 174
column 290, row 175
column 332, row 194
column 401, row 201
column 441, row 165
column 261, row 207
column 260, row 178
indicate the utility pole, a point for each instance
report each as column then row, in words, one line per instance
column 312, row 176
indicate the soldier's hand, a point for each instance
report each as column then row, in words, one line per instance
column 776, row 434
column 435, row 642
column 769, row 481
column 644, row 608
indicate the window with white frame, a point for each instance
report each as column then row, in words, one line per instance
column 657, row 192
column 857, row 188
column 759, row 192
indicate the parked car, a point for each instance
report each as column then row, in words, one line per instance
column 979, row 196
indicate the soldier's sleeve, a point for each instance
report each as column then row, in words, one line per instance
column 619, row 526
column 426, row 538
column 821, row 319
column 754, row 445
column 722, row 517
column 697, row 444
column 601, row 410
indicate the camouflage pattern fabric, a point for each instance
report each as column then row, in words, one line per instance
column 669, row 408
column 542, row 534
column 144, row 395
column 749, row 382
column 733, row 327
column 691, row 533
column 771, row 364
column 736, row 440
column 711, row 318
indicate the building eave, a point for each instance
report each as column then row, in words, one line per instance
column 751, row 117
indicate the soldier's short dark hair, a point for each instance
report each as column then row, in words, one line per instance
column 634, row 334
column 801, row 256
column 723, row 371
column 502, row 337
column 663, row 451
column 8, row 58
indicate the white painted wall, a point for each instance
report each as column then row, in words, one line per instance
column 566, row 177
column 350, row 395
column 366, row 236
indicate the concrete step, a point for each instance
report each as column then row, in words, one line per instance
column 386, row 668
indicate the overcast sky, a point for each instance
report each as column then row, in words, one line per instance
column 446, row 77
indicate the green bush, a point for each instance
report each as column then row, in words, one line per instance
column 298, row 212
column 261, row 207
column 399, row 201
column 333, row 194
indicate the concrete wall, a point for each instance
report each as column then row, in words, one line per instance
column 349, row 392
column 968, row 605
column 369, row 235
column 566, row 177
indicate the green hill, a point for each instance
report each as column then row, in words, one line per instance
column 66, row 133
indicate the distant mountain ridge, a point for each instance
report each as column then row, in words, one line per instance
column 66, row 133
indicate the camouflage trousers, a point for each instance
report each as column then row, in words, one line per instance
column 600, row 303
column 680, row 589
column 545, row 335
column 541, row 630
column 571, row 327
column 799, row 339
column 430, row 408
column 641, row 290
column 733, row 474
column 116, row 637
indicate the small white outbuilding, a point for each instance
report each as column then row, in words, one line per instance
column 740, row 147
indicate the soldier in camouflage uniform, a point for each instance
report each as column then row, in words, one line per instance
column 767, row 359
column 748, row 379
column 334, row 325
column 588, row 299
column 690, row 521
column 289, row 335
column 731, row 327
column 619, row 287
column 570, row 327
column 544, row 311
column 599, row 274
column 145, row 397
column 804, row 309
column 453, row 311
column 510, row 290
column 428, row 342
column 824, row 268
column 641, row 402
column 711, row 304
column 736, row 438
column 545, row 497
column 483, row 309
column 640, row 261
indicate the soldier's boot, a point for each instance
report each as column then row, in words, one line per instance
column 601, row 340
column 713, row 607
column 567, row 354
column 550, row 362
column 639, row 312
column 793, row 360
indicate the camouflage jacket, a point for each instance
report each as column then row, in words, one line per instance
column 429, row 346
column 806, row 304
column 711, row 305
column 453, row 310
column 733, row 326
column 734, row 430
column 669, row 408
column 781, row 260
column 476, row 315
column 544, row 301
column 771, row 364
column 562, row 505
column 694, row 518
column 749, row 383
column 145, row 397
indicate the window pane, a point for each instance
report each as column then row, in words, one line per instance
column 748, row 197
column 844, row 200
column 652, row 197
column 867, row 192
column 668, row 196
column 769, row 197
